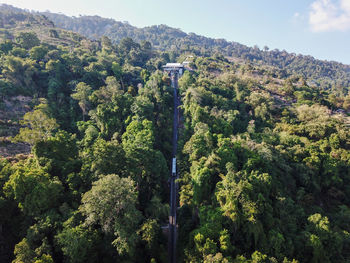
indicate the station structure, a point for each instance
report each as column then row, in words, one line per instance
column 171, row 68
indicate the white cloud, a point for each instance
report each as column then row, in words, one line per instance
column 329, row 15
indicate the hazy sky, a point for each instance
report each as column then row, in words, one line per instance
column 320, row 28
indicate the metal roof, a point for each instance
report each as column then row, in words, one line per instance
column 173, row 65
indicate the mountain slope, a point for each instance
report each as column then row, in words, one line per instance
column 13, row 21
column 324, row 73
column 263, row 158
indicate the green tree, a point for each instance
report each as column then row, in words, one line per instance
column 58, row 154
column 38, row 53
column 111, row 203
column 27, row 40
column 6, row 46
column 20, row 72
column 78, row 244
column 23, row 252
column 82, row 93
column 146, row 165
column 118, row 72
column 150, row 233
column 39, row 126
column 34, row 190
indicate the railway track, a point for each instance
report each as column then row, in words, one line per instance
column 174, row 175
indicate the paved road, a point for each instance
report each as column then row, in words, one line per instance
column 173, row 183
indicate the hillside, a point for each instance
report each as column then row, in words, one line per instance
column 326, row 74
column 19, row 32
column 87, row 142
column 323, row 73
column 13, row 21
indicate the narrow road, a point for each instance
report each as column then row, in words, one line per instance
column 173, row 177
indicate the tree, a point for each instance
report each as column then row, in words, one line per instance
column 200, row 144
column 19, row 52
column 186, row 80
column 78, row 244
column 113, row 108
column 106, row 157
column 27, row 40
column 59, row 154
column 82, row 93
column 6, row 46
column 145, row 75
column 38, row 52
column 21, row 73
column 111, row 203
column 23, row 252
column 118, row 72
column 150, row 233
column 146, row 166
column 138, row 137
column 106, row 43
column 34, row 190
column 346, row 104
column 39, row 126
column 127, row 44
column 106, row 93
column 53, row 33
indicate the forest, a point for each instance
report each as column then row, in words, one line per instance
column 325, row 74
column 85, row 153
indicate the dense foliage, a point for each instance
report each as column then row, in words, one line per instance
column 326, row 74
column 261, row 181
column 321, row 73
column 95, row 185
column 14, row 21
column 264, row 158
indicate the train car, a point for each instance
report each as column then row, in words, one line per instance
column 173, row 169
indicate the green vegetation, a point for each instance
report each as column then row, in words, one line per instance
column 17, row 24
column 328, row 75
column 263, row 157
column 99, row 120
column 261, row 181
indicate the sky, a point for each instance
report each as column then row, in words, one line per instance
column 320, row 28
